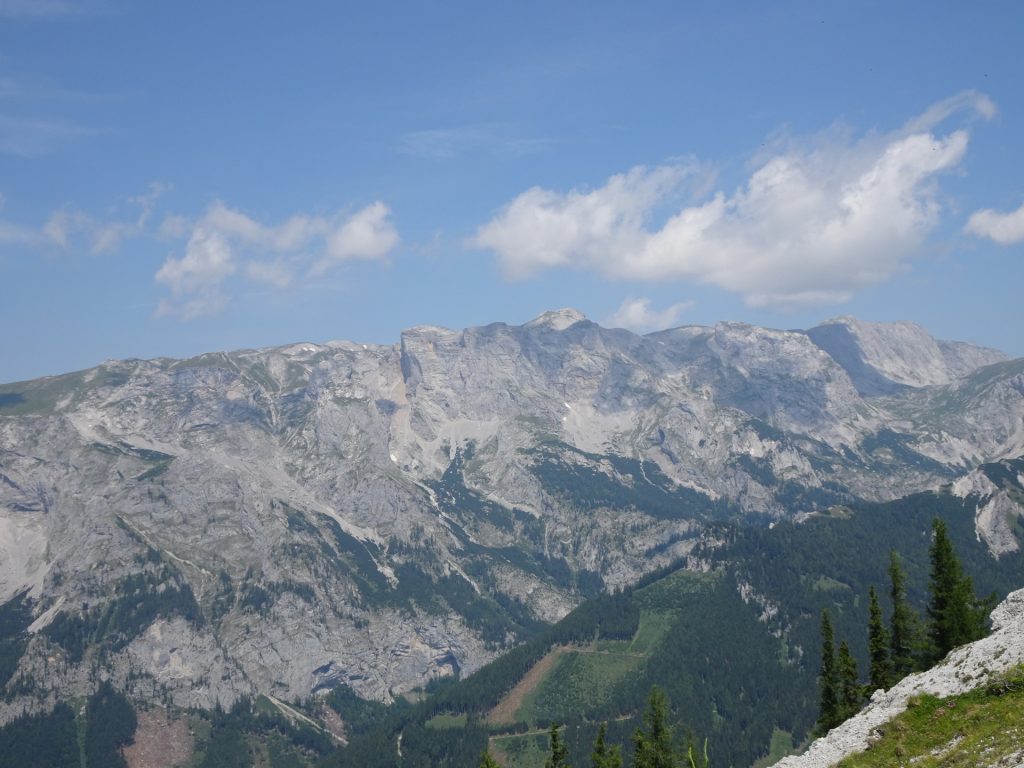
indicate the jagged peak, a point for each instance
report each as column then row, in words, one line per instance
column 558, row 319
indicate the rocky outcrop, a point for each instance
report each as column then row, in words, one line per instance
column 962, row 670
column 997, row 491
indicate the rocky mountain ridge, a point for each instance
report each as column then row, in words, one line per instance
column 383, row 515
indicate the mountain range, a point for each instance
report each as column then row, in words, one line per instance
column 281, row 521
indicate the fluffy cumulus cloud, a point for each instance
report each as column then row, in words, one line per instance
column 810, row 226
column 637, row 314
column 1004, row 228
column 225, row 243
column 368, row 235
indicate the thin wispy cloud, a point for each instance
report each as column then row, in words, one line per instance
column 226, row 243
column 449, row 143
column 34, row 90
column 68, row 227
column 31, row 137
column 48, row 9
column 811, row 226
column 14, row 234
column 72, row 230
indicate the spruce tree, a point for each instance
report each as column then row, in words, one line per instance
column 955, row 615
column 604, row 756
column 944, row 606
column 486, row 761
column 851, row 694
column 653, row 747
column 559, row 753
column 828, row 710
column 880, row 674
column 902, row 624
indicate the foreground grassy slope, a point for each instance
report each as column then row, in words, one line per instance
column 982, row 728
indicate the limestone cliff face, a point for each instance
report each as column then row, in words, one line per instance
column 381, row 515
column 963, row 670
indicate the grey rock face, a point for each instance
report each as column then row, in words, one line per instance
column 882, row 358
column 315, row 514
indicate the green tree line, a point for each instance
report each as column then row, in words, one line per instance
column 955, row 616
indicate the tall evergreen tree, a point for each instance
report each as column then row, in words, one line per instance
column 828, row 710
column 604, row 756
column 851, row 694
column 903, row 622
column 880, row 674
column 486, row 761
column 955, row 615
column 653, row 747
column 559, row 752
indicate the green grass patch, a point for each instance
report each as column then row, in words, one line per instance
column 827, row 584
column 781, row 745
column 526, row 750
column 582, row 684
column 663, row 595
column 446, row 720
column 652, row 630
column 978, row 728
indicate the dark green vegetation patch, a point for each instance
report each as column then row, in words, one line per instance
column 631, row 484
column 15, row 618
column 91, row 735
column 139, row 599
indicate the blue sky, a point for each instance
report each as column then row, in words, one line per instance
column 184, row 177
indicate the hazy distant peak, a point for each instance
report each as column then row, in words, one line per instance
column 558, row 319
column 881, row 357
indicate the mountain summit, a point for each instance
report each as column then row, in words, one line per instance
column 557, row 319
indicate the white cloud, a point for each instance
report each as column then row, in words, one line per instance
column 541, row 228
column 810, row 226
column 67, row 224
column 226, row 242
column 1004, row 228
column 207, row 261
column 636, row 314
column 970, row 102
column 107, row 238
column 147, row 201
column 63, row 224
column 275, row 273
column 367, row 236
